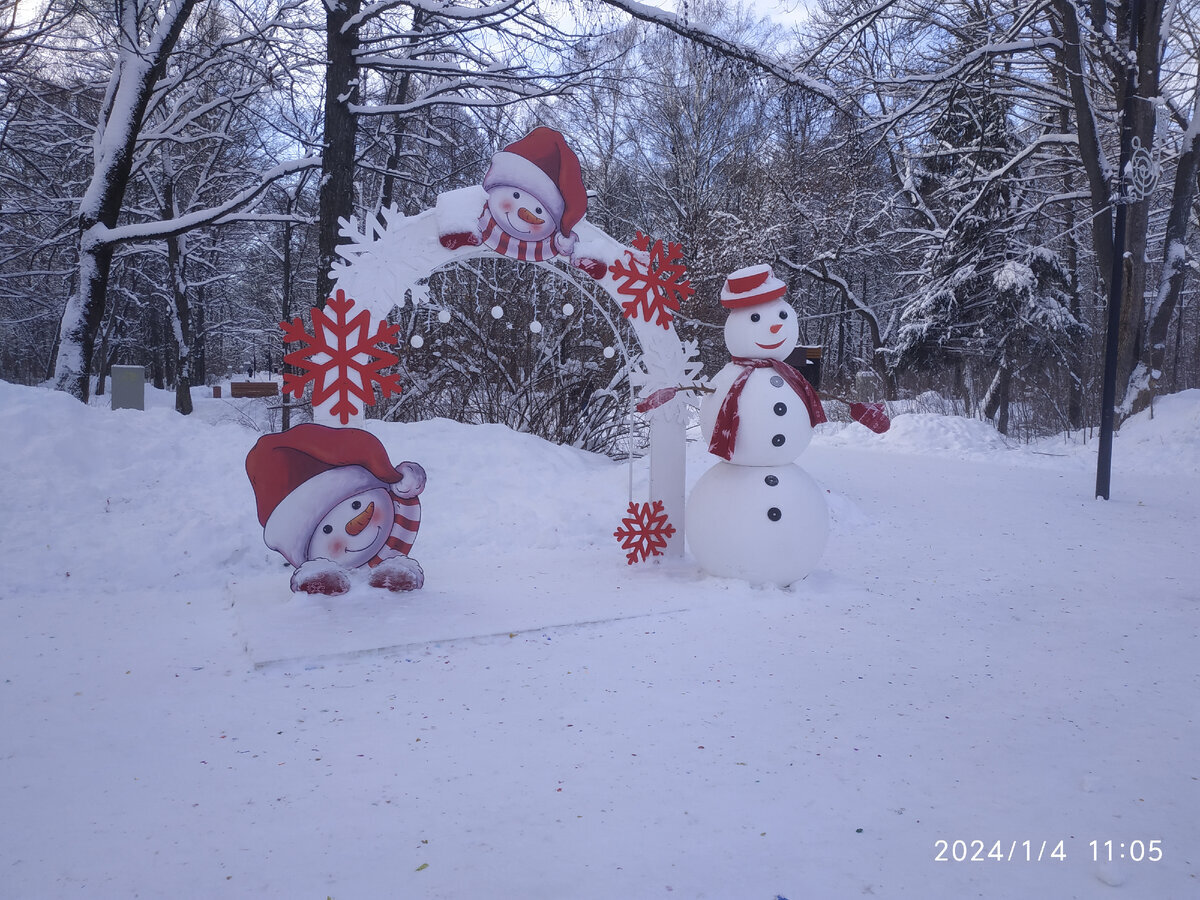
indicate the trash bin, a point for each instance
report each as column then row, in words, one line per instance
column 128, row 387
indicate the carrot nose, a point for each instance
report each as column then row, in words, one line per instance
column 775, row 328
column 359, row 522
column 526, row 216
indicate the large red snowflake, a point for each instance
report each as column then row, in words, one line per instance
column 656, row 290
column 644, row 531
column 340, row 358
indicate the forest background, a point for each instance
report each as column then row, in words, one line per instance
column 952, row 190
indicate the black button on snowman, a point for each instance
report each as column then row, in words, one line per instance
column 756, row 515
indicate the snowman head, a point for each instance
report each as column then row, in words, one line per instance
column 535, row 187
column 354, row 530
column 761, row 324
column 522, row 214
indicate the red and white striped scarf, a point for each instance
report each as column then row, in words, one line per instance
column 725, row 429
column 505, row 244
column 406, row 519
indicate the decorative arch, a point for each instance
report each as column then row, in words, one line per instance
column 389, row 260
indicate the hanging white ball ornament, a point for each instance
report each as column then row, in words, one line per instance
column 497, row 312
column 535, row 326
column 568, row 309
column 417, row 341
column 444, row 316
column 609, row 352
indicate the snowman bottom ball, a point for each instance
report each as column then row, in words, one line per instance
column 763, row 524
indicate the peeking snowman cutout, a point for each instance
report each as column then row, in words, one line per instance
column 331, row 502
column 756, row 514
column 535, row 198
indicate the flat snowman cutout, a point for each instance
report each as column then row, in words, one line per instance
column 333, row 505
column 756, row 515
column 535, row 198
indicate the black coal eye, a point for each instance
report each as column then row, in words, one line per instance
column 754, row 317
column 516, row 195
column 357, row 504
column 783, row 314
column 328, row 529
column 538, row 210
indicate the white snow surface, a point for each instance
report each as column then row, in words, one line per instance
column 985, row 653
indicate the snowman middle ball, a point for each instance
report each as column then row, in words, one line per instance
column 763, row 524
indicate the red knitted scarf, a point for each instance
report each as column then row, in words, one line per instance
column 406, row 519
column 725, row 429
column 505, row 244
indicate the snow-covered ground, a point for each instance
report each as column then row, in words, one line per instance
column 985, row 655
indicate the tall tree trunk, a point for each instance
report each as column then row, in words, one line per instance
column 388, row 196
column 1101, row 177
column 286, row 406
column 995, row 403
column 341, row 131
column 180, row 311
column 1174, row 269
column 181, row 323
column 134, row 75
column 158, row 368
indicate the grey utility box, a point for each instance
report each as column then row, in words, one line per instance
column 128, row 387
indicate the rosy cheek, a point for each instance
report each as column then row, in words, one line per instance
column 380, row 516
column 337, row 548
column 507, row 206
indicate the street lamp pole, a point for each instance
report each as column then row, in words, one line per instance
column 1116, row 281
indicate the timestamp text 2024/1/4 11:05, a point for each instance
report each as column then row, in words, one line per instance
column 1039, row 851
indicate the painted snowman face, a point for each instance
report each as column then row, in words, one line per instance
column 766, row 331
column 354, row 531
column 521, row 214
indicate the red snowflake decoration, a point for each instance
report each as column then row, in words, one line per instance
column 644, row 531
column 340, row 358
column 658, row 290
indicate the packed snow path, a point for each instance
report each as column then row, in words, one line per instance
column 985, row 653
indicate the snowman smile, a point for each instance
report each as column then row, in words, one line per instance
column 771, row 346
column 519, row 225
column 374, row 535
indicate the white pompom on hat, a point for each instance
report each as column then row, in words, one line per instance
column 542, row 164
column 750, row 287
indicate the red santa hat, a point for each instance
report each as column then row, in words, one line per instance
column 750, row 287
column 542, row 164
column 299, row 475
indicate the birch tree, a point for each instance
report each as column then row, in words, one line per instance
column 150, row 84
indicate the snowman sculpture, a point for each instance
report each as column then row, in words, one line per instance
column 331, row 503
column 756, row 515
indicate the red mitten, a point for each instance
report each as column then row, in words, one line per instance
column 400, row 573
column 592, row 267
column 871, row 415
column 459, row 239
column 320, row 576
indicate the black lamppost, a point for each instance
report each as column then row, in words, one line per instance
column 1116, row 280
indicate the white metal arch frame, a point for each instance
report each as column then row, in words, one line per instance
column 392, row 258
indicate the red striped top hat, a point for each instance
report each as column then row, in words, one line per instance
column 750, row 287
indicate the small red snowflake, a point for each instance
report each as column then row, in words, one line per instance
column 658, row 290
column 644, row 531
column 339, row 347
